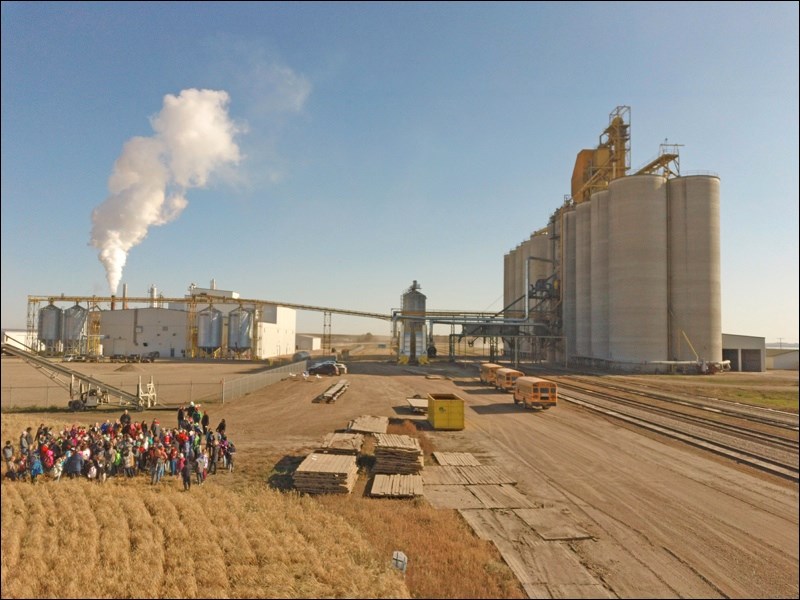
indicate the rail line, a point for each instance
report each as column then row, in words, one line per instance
column 771, row 439
column 784, row 469
column 762, row 438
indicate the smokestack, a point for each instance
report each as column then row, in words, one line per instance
column 125, row 296
column 213, row 284
column 153, row 295
column 113, row 297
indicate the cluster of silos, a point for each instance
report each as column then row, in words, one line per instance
column 529, row 264
column 241, row 324
column 62, row 330
column 647, row 272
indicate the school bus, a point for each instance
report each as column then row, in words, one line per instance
column 505, row 378
column 487, row 372
column 535, row 392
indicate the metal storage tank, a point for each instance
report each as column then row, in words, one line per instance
column 568, row 281
column 209, row 329
column 49, row 330
column 694, row 263
column 73, row 327
column 240, row 329
column 599, row 266
column 637, row 269
column 74, row 324
column 583, row 279
column 413, row 303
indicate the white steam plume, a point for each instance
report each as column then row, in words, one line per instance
column 193, row 136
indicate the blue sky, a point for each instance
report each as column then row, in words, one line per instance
column 381, row 143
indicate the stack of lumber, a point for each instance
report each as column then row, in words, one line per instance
column 341, row 443
column 326, row 474
column 396, row 486
column 369, row 424
column 458, row 459
column 397, row 454
column 333, row 392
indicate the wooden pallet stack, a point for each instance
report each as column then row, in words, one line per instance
column 397, row 454
column 341, row 443
column 326, row 474
column 333, row 392
column 369, row 424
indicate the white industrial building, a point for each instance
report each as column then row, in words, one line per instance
column 787, row 359
column 221, row 329
column 308, row 342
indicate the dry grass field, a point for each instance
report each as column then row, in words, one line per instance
column 247, row 534
column 244, row 534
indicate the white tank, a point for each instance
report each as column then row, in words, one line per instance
column 209, row 329
column 583, row 279
column 637, row 268
column 599, row 276
column 568, row 282
column 694, row 261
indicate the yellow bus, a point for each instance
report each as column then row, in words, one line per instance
column 487, row 372
column 504, row 378
column 535, row 392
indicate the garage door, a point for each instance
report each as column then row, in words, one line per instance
column 732, row 355
column 751, row 360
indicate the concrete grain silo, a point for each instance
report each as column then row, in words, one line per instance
column 583, row 279
column 507, row 283
column 694, row 268
column 540, row 269
column 519, row 284
column 599, row 275
column 637, row 269
column 568, row 282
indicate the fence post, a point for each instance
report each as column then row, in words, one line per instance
column 222, row 382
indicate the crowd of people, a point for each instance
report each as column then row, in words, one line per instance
column 124, row 448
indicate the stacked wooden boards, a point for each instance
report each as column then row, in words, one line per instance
column 333, row 392
column 326, row 474
column 369, row 424
column 397, row 454
column 341, row 443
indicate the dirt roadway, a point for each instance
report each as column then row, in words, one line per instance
column 665, row 519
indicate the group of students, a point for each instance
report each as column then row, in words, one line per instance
column 124, row 448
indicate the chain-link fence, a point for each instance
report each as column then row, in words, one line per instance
column 242, row 386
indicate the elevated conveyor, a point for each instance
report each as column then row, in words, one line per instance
column 85, row 390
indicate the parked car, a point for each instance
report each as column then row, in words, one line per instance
column 323, row 369
column 302, row 355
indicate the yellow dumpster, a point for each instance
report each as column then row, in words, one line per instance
column 445, row 411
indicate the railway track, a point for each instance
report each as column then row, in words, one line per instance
column 766, row 440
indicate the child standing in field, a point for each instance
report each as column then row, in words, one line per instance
column 229, row 452
column 186, row 473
